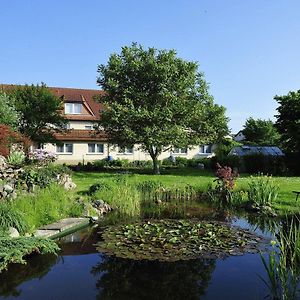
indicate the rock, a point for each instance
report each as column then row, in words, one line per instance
column 7, row 188
column 200, row 166
column 101, row 207
column 13, row 232
column 69, row 185
column 3, row 163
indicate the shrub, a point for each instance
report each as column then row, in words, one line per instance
column 149, row 185
column 16, row 158
column 11, row 217
column 222, row 192
column 262, row 190
column 13, row 250
column 42, row 157
column 101, row 185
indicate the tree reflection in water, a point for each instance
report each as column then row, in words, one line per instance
column 129, row 279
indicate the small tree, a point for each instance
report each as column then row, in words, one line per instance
column 260, row 132
column 40, row 112
column 288, row 121
column 8, row 113
column 157, row 100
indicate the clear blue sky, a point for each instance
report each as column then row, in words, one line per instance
column 249, row 50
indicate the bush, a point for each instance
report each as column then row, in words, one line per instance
column 42, row 176
column 16, row 158
column 42, row 157
column 99, row 186
column 232, row 161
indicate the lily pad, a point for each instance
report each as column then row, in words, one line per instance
column 173, row 240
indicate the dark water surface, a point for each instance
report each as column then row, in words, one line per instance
column 79, row 272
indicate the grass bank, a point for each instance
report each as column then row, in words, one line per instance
column 200, row 179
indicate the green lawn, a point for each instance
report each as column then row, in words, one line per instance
column 197, row 178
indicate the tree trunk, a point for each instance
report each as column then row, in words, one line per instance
column 153, row 151
column 155, row 165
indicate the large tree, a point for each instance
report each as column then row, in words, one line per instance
column 40, row 112
column 288, row 121
column 260, row 132
column 157, row 100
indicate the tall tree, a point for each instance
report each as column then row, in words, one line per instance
column 8, row 113
column 288, row 120
column 260, row 132
column 157, row 100
column 40, row 112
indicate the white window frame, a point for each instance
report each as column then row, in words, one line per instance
column 204, row 149
column 64, row 148
column 96, row 148
column 124, row 150
column 180, row 150
column 72, row 110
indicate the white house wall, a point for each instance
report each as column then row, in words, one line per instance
column 80, row 153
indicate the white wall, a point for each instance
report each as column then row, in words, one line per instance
column 80, row 153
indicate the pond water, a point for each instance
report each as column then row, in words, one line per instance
column 80, row 272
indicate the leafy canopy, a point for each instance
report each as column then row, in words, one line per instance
column 157, row 100
column 260, row 132
column 288, row 120
column 8, row 113
column 40, row 112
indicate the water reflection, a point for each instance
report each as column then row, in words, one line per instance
column 127, row 279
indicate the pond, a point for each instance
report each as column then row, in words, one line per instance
column 81, row 272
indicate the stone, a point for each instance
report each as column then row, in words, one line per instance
column 7, row 188
column 200, row 166
column 69, row 185
column 3, row 163
column 13, row 232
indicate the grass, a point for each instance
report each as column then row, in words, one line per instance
column 46, row 206
column 199, row 179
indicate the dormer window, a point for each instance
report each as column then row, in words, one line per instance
column 73, row 108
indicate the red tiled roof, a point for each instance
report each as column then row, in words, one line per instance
column 80, row 135
column 79, row 95
column 86, row 96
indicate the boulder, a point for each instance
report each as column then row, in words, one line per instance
column 13, row 232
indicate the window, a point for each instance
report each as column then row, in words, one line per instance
column 64, row 148
column 125, row 150
column 73, row 108
column 88, row 127
column 205, row 149
column 180, row 150
column 95, row 148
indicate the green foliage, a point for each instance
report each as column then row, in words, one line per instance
column 16, row 158
column 156, row 100
column 149, row 185
column 47, row 205
column 13, row 250
column 38, row 108
column 42, row 177
column 288, row 121
column 224, row 146
column 260, row 132
column 283, row 264
column 10, row 217
column 97, row 187
column 262, row 190
column 8, row 113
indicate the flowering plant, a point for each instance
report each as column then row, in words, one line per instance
column 42, row 157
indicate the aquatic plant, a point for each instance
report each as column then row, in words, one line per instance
column 172, row 240
column 262, row 190
column 283, row 263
